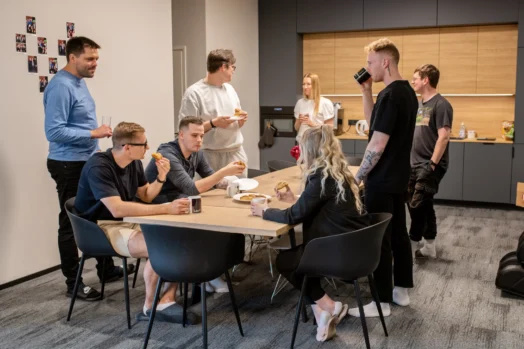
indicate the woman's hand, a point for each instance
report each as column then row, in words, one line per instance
column 257, row 209
column 286, row 196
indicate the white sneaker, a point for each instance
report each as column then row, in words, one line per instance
column 401, row 296
column 429, row 250
column 326, row 327
column 218, row 285
column 371, row 310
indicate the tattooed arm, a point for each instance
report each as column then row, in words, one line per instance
column 374, row 151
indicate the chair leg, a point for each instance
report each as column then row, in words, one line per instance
column 304, row 313
column 362, row 315
column 103, row 279
column 184, row 314
column 278, row 288
column 193, row 292
column 153, row 311
column 377, row 302
column 204, row 315
column 126, row 291
column 297, row 313
column 270, row 261
column 234, row 302
column 137, row 267
column 75, row 289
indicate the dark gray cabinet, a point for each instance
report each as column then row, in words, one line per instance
column 279, row 151
column 280, row 53
column 519, row 98
column 360, row 147
column 348, row 147
column 487, row 172
column 450, row 187
column 517, row 174
column 314, row 16
column 467, row 12
column 386, row 14
column 521, row 24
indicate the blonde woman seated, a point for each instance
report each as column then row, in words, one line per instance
column 329, row 205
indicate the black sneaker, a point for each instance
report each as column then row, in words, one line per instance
column 84, row 293
column 118, row 273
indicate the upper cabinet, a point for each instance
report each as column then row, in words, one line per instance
column 467, row 12
column 280, row 53
column 385, row 14
column 315, row 16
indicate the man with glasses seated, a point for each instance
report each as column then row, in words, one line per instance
column 108, row 185
column 186, row 159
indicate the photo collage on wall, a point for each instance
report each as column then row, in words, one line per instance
column 34, row 46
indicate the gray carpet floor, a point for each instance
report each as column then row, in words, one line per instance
column 454, row 303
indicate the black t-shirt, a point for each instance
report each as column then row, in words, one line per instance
column 394, row 114
column 101, row 178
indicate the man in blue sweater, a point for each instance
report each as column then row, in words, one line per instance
column 73, row 132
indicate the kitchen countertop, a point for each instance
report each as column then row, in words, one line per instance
column 351, row 135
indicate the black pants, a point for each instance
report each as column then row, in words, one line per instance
column 287, row 263
column 396, row 244
column 422, row 187
column 66, row 174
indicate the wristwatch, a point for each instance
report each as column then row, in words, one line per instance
column 211, row 123
column 159, row 181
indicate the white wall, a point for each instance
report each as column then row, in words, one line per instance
column 133, row 83
column 233, row 24
column 189, row 29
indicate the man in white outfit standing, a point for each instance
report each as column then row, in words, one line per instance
column 216, row 101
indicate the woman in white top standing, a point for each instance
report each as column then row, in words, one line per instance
column 312, row 110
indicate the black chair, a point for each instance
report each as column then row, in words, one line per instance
column 192, row 256
column 346, row 257
column 275, row 165
column 252, row 173
column 353, row 161
column 92, row 241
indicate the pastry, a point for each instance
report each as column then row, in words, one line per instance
column 157, row 156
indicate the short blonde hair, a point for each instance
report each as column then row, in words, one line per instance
column 384, row 45
column 125, row 132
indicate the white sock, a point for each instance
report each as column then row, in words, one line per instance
column 401, row 296
column 219, row 285
column 161, row 307
column 429, row 249
column 371, row 310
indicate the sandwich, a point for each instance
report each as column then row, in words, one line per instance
column 281, row 185
column 157, row 156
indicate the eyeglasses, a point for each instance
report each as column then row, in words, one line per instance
column 234, row 67
column 136, row 144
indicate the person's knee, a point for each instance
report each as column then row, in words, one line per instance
column 137, row 245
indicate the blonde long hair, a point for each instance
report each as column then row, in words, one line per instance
column 315, row 90
column 320, row 149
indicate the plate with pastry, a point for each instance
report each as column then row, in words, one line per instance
column 247, row 197
column 238, row 115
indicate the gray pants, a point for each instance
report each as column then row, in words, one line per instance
column 218, row 159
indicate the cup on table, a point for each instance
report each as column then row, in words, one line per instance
column 195, row 204
column 258, row 201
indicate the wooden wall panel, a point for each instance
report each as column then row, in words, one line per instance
column 349, row 59
column 458, row 60
column 497, row 59
column 420, row 46
column 319, row 58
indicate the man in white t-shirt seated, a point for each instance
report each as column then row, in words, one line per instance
column 312, row 110
column 216, row 101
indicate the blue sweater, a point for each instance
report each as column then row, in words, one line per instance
column 70, row 115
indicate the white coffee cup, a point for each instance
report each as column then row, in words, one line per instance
column 233, row 189
column 259, row 201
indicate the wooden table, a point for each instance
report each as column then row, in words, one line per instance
column 223, row 214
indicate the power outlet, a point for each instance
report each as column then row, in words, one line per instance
column 352, row 122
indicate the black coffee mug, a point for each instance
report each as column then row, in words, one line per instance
column 195, row 203
column 362, row 76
